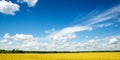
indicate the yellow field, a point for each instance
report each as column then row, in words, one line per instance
column 63, row 56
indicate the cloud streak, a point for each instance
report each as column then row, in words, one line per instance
column 92, row 23
column 67, row 33
column 104, row 16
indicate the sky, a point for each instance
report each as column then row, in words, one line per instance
column 60, row 25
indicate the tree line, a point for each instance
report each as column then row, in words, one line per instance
column 21, row 51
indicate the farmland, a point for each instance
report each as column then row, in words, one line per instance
column 61, row 56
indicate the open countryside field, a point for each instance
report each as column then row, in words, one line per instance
column 63, row 56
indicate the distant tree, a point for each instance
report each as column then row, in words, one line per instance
column 13, row 51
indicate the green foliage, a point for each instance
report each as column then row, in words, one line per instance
column 11, row 51
column 20, row 51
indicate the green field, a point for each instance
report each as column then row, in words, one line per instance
column 62, row 56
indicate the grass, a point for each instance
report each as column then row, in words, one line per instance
column 62, row 56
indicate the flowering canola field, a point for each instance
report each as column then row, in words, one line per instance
column 62, row 56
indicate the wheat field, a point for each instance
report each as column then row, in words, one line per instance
column 63, row 56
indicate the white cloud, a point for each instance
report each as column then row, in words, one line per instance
column 23, row 37
column 67, row 33
column 8, row 7
column 60, row 38
column 19, row 41
column 104, row 16
column 108, row 43
column 92, row 23
column 4, row 40
column 95, row 44
column 73, row 29
column 10, row 43
column 103, row 25
column 64, row 38
column 50, row 31
column 113, row 41
column 7, row 36
column 30, row 3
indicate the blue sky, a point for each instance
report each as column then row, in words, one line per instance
column 60, row 24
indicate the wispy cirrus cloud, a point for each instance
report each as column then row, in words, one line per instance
column 91, row 24
column 103, row 25
column 68, row 32
column 104, row 16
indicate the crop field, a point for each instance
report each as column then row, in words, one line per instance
column 62, row 56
